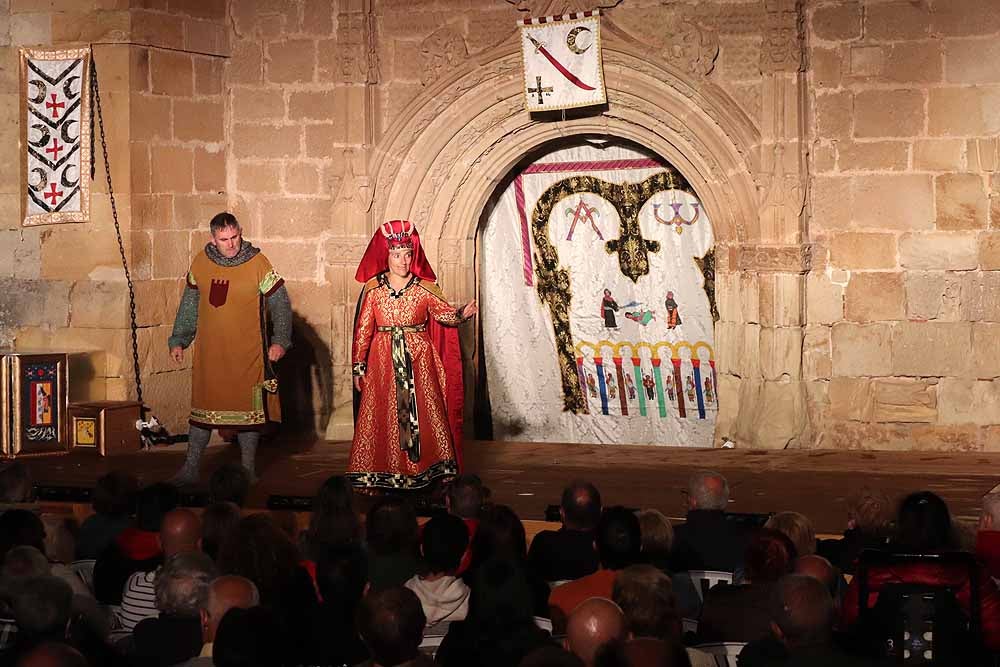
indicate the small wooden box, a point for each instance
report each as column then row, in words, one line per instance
column 104, row 427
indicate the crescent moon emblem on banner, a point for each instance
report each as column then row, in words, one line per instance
column 40, row 87
column 68, row 87
column 43, row 134
column 69, row 184
column 573, row 35
column 65, row 131
column 43, row 180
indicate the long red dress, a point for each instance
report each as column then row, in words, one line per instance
column 402, row 435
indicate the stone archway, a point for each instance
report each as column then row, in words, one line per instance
column 463, row 134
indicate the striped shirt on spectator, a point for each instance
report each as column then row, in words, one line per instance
column 138, row 600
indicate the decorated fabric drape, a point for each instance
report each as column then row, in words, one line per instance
column 55, row 136
column 562, row 61
column 597, row 320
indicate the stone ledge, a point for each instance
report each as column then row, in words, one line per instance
column 790, row 258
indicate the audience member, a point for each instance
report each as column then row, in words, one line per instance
column 707, row 540
column 500, row 627
column 391, row 532
column 443, row 595
column 796, row 527
column 42, row 609
column 20, row 563
column 113, row 503
column 229, row 483
column 619, row 545
column 823, row 571
column 136, row 548
column 16, row 487
column 181, row 589
column 248, row 638
column 180, row 532
column 593, row 624
column 333, row 523
column 218, row 523
column 224, row 593
column 740, row 612
column 464, row 499
column 551, row 656
column 657, row 538
column 988, row 533
column 649, row 652
column 569, row 553
column 391, row 623
column 869, row 514
column 19, row 527
column 342, row 578
column 52, row 654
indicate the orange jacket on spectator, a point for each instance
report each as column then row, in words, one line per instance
column 932, row 575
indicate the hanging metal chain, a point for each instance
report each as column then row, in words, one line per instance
column 96, row 97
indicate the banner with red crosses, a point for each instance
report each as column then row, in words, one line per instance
column 55, row 135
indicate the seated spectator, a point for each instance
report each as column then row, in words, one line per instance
column 868, row 516
column 443, row 595
column 342, row 576
column 42, row 608
column 52, row 654
column 137, row 548
column 657, row 538
column 706, row 540
column 618, row 545
column 593, row 624
column 16, row 487
column 113, row 504
column 391, row 531
column 174, row 635
column 824, row 572
column 229, row 483
column 923, row 525
column 551, row 656
column 218, row 522
column 180, row 532
column 802, row 629
column 568, row 553
column 501, row 536
column 247, row 638
column 333, row 523
column 649, row 652
column 60, row 545
column 500, row 628
column 740, row 612
column 260, row 551
column 796, row 527
column 19, row 527
column 391, row 623
column 988, row 535
column 21, row 562
column 464, row 499
column 224, row 593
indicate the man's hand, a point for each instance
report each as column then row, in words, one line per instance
column 275, row 352
column 177, row 354
column 357, row 382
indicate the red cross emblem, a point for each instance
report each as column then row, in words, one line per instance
column 55, row 106
column 55, row 149
column 53, row 194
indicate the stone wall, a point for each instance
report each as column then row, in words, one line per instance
column 901, row 345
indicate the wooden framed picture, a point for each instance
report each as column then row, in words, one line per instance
column 34, row 394
column 105, row 427
column 85, row 432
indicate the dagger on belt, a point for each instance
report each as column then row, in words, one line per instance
column 572, row 78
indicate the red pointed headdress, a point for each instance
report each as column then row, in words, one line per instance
column 390, row 235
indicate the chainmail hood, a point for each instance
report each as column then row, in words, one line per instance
column 246, row 253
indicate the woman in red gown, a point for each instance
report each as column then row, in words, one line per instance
column 405, row 431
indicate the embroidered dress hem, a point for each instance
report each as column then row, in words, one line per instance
column 397, row 481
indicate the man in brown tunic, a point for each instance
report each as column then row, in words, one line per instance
column 231, row 296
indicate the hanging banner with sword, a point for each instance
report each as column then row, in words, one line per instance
column 562, row 61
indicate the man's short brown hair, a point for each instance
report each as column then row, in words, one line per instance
column 646, row 597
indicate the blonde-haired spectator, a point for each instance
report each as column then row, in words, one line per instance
column 869, row 515
column 796, row 527
column 657, row 538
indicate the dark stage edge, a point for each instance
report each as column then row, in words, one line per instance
column 530, row 476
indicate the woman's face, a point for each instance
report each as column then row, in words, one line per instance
column 400, row 261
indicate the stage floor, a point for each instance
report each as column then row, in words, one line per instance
column 530, row 476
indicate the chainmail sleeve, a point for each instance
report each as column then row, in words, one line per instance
column 186, row 322
column 280, row 308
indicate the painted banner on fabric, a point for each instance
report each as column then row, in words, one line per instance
column 55, row 139
column 621, row 350
column 562, row 61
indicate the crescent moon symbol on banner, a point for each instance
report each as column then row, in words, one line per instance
column 573, row 35
column 65, row 183
column 68, row 87
column 40, row 87
column 44, row 135
column 65, row 131
column 43, row 180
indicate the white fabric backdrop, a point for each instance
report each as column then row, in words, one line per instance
column 520, row 355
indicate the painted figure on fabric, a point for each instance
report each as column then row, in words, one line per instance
column 643, row 317
column 673, row 314
column 670, row 391
column 591, row 384
column 610, row 382
column 407, row 368
column 709, row 394
column 608, row 309
column 231, row 297
column 690, row 389
column 630, row 386
column 649, row 385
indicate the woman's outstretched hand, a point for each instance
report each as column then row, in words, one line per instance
column 468, row 310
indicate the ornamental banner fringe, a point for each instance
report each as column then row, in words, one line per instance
column 55, row 135
column 562, row 61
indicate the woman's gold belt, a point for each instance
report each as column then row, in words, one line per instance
column 405, row 328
